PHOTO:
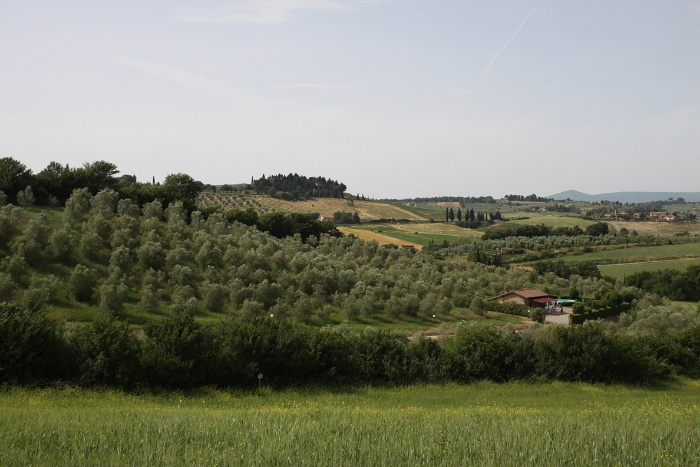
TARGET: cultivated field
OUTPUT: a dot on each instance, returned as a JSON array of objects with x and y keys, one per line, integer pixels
[
  {"x": 417, "y": 234},
  {"x": 640, "y": 254},
  {"x": 481, "y": 424},
  {"x": 367, "y": 210}
]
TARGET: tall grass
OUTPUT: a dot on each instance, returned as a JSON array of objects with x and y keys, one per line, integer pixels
[{"x": 482, "y": 424}]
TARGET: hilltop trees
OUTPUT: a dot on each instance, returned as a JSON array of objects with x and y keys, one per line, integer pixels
[
  {"x": 57, "y": 183},
  {"x": 14, "y": 177},
  {"x": 183, "y": 188},
  {"x": 294, "y": 187}
]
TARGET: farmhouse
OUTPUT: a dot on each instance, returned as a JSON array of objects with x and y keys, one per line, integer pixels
[
  {"x": 527, "y": 297},
  {"x": 326, "y": 218}
]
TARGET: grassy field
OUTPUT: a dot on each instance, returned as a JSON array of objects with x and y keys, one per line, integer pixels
[
  {"x": 481, "y": 424},
  {"x": 137, "y": 318},
  {"x": 620, "y": 271},
  {"x": 640, "y": 253},
  {"x": 438, "y": 324}
]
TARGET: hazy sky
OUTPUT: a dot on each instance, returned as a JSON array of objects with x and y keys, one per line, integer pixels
[{"x": 395, "y": 98}]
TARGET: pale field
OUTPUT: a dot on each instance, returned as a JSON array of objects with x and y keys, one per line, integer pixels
[
  {"x": 664, "y": 229},
  {"x": 367, "y": 210},
  {"x": 441, "y": 228}
]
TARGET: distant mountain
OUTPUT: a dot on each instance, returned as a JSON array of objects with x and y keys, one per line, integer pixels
[{"x": 628, "y": 196}]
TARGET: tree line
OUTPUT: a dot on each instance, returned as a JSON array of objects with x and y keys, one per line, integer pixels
[
  {"x": 533, "y": 198},
  {"x": 180, "y": 353},
  {"x": 676, "y": 285},
  {"x": 281, "y": 224},
  {"x": 541, "y": 230},
  {"x": 54, "y": 184},
  {"x": 471, "y": 217}
]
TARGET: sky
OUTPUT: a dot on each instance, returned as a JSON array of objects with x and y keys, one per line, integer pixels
[{"x": 394, "y": 98}]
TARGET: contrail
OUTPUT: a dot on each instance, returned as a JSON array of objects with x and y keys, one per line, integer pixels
[{"x": 498, "y": 53}]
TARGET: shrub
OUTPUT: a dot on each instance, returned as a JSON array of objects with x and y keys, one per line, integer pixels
[
  {"x": 40, "y": 292},
  {"x": 214, "y": 296},
  {"x": 31, "y": 349},
  {"x": 149, "y": 299},
  {"x": 92, "y": 246},
  {"x": 77, "y": 206},
  {"x": 7, "y": 287},
  {"x": 114, "y": 292},
  {"x": 62, "y": 244},
  {"x": 177, "y": 352},
  {"x": 108, "y": 354},
  {"x": 25, "y": 198}
]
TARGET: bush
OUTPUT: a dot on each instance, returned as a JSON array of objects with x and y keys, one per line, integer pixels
[
  {"x": 477, "y": 353},
  {"x": 31, "y": 349},
  {"x": 40, "y": 292},
  {"x": 177, "y": 353},
  {"x": 7, "y": 287},
  {"x": 108, "y": 354}
]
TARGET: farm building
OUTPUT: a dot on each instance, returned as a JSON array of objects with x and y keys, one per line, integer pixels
[
  {"x": 326, "y": 218},
  {"x": 527, "y": 297}
]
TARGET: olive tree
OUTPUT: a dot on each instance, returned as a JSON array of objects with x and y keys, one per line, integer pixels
[{"x": 82, "y": 283}]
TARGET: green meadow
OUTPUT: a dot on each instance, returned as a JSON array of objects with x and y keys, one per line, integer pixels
[
  {"x": 480, "y": 424},
  {"x": 640, "y": 253},
  {"x": 619, "y": 271}
]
